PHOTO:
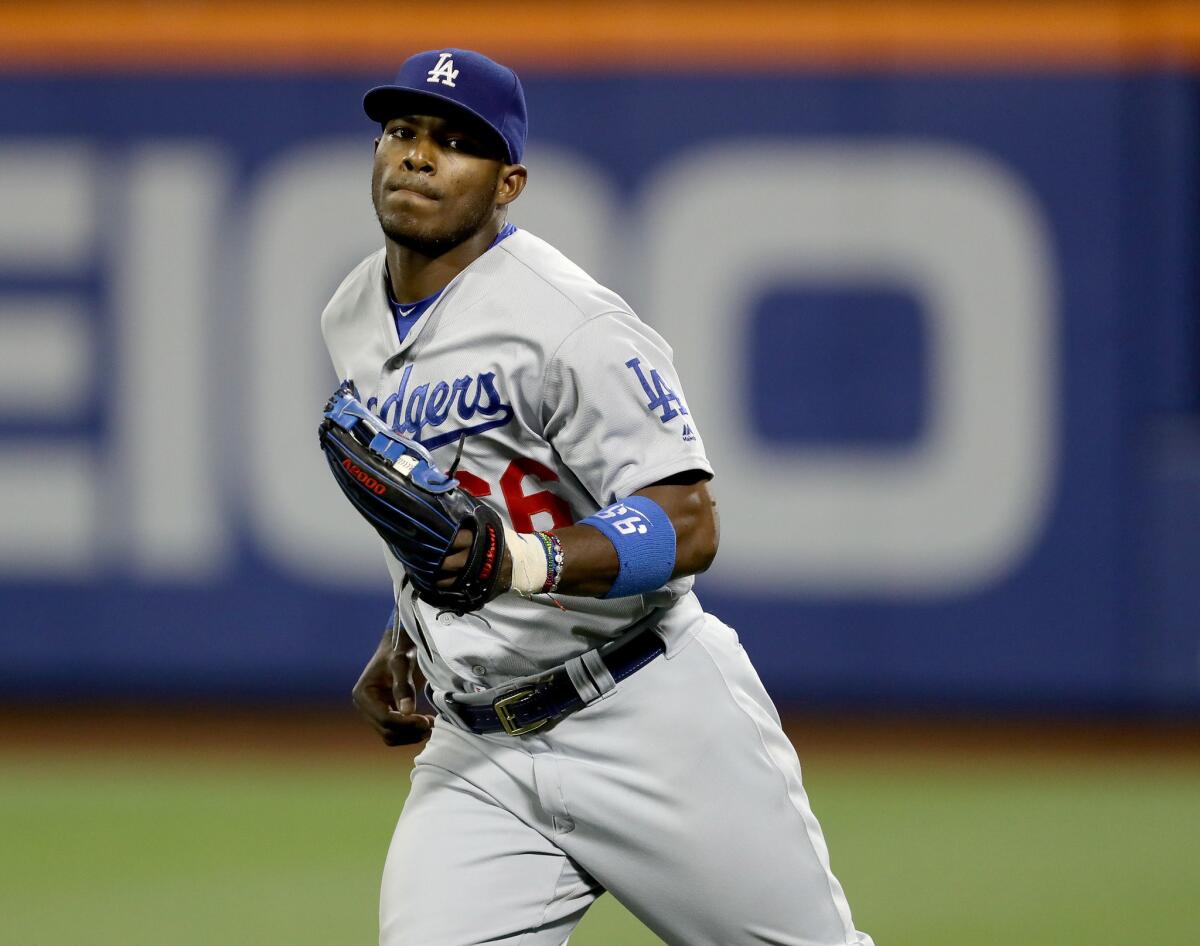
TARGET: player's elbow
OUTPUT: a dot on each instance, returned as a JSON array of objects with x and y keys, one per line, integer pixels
[
  {"x": 696, "y": 544},
  {"x": 701, "y": 555},
  {"x": 689, "y": 504}
]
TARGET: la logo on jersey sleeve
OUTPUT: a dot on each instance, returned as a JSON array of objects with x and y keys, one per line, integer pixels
[{"x": 658, "y": 391}]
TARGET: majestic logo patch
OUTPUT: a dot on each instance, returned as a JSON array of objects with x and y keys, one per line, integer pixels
[
  {"x": 469, "y": 398},
  {"x": 444, "y": 72}
]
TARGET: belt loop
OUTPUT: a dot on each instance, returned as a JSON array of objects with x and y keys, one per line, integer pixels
[
  {"x": 599, "y": 671},
  {"x": 438, "y": 699},
  {"x": 587, "y": 690}
]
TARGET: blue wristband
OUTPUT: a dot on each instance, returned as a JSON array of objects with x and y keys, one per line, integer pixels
[{"x": 641, "y": 532}]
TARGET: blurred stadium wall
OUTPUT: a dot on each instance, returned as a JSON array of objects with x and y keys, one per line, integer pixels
[{"x": 930, "y": 271}]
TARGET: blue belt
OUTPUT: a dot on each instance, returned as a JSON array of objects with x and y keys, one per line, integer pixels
[{"x": 538, "y": 702}]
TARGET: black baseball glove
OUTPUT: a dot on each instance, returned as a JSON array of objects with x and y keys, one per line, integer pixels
[{"x": 417, "y": 509}]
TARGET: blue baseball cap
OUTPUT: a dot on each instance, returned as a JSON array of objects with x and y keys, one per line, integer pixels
[{"x": 462, "y": 78}]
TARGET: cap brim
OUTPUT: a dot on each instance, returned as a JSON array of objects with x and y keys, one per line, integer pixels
[{"x": 385, "y": 102}]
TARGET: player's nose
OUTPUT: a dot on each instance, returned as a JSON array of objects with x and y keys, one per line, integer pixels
[
  {"x": 417, "y": 158},
  {"x": 418, "y": 164}
]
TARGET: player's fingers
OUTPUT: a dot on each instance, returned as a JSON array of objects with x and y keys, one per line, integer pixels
[
  {"x": 372, "y": 692},
  {"x": 402, "y": 729},
  {"x": 461, "y": 546},
  {"x": 396, "y": 728},
  {"x": 382, "y": 727},
  {"x": 462, "y": 541},
  {"x": 400, "y": 666},
  {"x": 452, "y": 565},
  {"x": 374, "y": 704},
  {"x": 456, "y": 559}
]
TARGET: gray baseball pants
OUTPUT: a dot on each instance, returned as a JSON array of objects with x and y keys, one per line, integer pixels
[{"x": 678, "y": 792}]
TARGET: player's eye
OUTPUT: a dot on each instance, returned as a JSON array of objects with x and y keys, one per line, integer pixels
[{"x": 463, "y": 144}]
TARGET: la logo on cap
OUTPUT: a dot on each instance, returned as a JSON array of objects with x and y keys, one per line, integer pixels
[{"x": 444, "y": 72}]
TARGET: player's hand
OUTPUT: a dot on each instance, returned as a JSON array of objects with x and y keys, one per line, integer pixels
[
  {"x": 384, "y": 694},
  {"x": 455, "y": 561}
]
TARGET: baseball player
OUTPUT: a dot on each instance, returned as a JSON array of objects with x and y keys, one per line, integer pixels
[{"x": 595, "y": 729}]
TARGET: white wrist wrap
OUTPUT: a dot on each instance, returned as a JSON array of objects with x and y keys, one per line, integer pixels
[{"x": 529, "y": 569}]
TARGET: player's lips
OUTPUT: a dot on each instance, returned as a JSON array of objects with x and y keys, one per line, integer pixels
[{"x": 410, "y": 188}]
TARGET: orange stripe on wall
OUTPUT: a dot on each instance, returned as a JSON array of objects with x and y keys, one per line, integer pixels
[{"x": 540, "y": 36}]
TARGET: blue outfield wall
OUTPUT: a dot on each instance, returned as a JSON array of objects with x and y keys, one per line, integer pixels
[{"x": 938, "y": 331}]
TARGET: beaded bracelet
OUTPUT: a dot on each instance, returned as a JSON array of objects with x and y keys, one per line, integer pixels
[{"x": 552, "y": 546}]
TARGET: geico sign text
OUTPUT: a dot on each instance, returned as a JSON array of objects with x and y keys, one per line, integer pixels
[{"x": 204, "y": 353}]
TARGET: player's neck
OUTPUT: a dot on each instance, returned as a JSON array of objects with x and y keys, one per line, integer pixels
[{"x": 415, "y": 276}]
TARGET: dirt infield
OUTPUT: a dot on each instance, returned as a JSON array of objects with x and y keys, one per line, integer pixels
[{"x": 306, "y": 733}]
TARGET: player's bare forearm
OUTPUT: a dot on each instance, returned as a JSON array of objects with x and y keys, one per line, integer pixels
[
  {"x": 590, "y": 560},
  {"x": 591, "y": 564}
]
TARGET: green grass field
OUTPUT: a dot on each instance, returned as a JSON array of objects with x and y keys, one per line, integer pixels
[{"x": 146, "y": 850}]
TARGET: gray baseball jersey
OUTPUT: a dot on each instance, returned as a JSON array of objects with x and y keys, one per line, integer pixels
[
  {"x": 567, "y": 402},
  {"x": 678, "y": 789}
]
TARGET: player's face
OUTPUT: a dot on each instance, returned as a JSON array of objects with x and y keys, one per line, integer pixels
[{"x": 437, "y": 180}]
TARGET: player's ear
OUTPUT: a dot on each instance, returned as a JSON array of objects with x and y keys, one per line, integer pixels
[
  {"x": 511, "y": 182},
  {"x": 377, "y": 140}
]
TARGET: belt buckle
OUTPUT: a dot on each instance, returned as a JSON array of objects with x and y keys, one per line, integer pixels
[{"x": 510, "y": 726}]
